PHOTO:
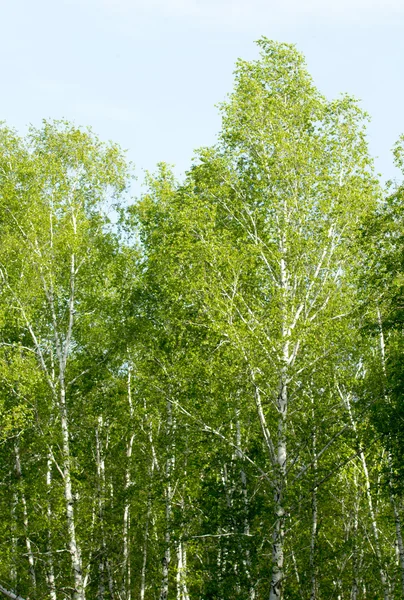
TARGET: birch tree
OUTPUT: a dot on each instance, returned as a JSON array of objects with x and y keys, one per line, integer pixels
[
  {"x": 52, "y": 237},
  {"x": 203, "y": 399},
  {"x": 380, "y": 293},
  {"x": 258, "y": 236}
]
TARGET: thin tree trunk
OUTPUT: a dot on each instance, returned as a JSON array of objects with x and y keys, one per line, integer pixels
[
  {"x": 145, "y": 540},
  {"x": 179, "y": 572},
  {"x": 383, "y": 576},
  {"x": 10, "y": 594},
  {"x": 50, "y": 566},
  {"x": 184, "y": 571},
  {"x": 101, "y": 493},
  {"x": 313, "y": 564},
  {"x": 126, "y": 579},
  {"x": 154, "y": 464},
  {"x": 181, "y": 578},
  {"x": 101, "y": 584},
  {"x": 126, "y": 583},
  {"x": 79, "y": 593},
  {"x": 281, "y": 450},
  {"x": 182, "y": 589},
  {"x": 314, "y": 509},
  {"x": 30, "y": 555},
  {"x": 63, "y": 350},
  {"x": 167, "y": 550},
  {"x": 13, "y": 567},
  {"x": 167, "y": 536},
  {"x": 355, "y": 565},
  {"x": 296, "y": 571},
  {"x": 280, "y": 483},
  {"x": 244, "y": 491}
]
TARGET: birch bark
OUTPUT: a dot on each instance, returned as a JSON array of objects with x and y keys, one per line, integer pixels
[
  {"x": 30, "y": 554},
  {"x": 168, "y": 500},
  {"x": 13, "y": 566},
  {"x": 182, "y": 588},
  {"x": 281, "y": 450},
  {"x": 375, "y": 529},
  {"x": 104, "y": 565},
  {"x": 75, "y": 553},
  {"x": 11, "y": 594},
  {"x": 50, "y": 566},
  {"x": 61, "y": 177},
  {"x": 314, "y": 509},
  {"x": 63, "y": 351},
  {"x": 145, "y": 542},
  {"x": 154, "y": 465},
  {"x": 244, "y": 491},
  {"x": 126, "y": 578},
  {"x": 355, "y": 558}
]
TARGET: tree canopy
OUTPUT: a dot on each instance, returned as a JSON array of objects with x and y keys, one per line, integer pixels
[{"x": 201, "y": 388}]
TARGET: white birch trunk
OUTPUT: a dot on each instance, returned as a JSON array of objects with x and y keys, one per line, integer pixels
[
  {"x": 383, "y": 575},
  {"x": 167, "y": 550},
  {"x": 181, "y": 576},
  {"x": 182, "y": 589},
  {"x": 355, "y": 565},
  {"x": 154, "y": 464},
  {"x": 101, "y": 584},
  {"x": 30, "y": 555},
  {"x": 126, "y": 578},
  {"x": 280, "y": 458},
  {"x": 13, "y": 567},
  {"x": 126, "y": 593},
  {"x": 296, "y": 571},
  {"x": 219, "y": 563},
  {"x": 63, "y": 353},
  {"x": 101, "y": 495},
  {"x": 10, "y": 594},
  {"x": 314, "y": 509},
  {"x": 280, "y": 465},
  {"x": 167, "y": 537},
  {"x": 145, "y": 541},
  {"x": 244, "y": 491},
  {"x": 74, "y": 548},
  {"x": 184, "y": 570},
  {"x": 50, "y": 565}
]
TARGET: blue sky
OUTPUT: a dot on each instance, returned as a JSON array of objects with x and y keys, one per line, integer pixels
[{"x": 147, "y": 74}]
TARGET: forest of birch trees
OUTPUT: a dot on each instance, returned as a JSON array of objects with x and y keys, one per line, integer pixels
[{"x": 201, "y": 388}]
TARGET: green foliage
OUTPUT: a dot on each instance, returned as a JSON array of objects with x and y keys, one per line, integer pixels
[{"x": 204, "y": 400}]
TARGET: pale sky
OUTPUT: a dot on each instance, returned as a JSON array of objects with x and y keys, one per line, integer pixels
[{"x": 147, "y": 74}]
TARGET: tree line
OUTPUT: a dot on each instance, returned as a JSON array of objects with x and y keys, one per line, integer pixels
[{"x": 201, "y": 388}]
